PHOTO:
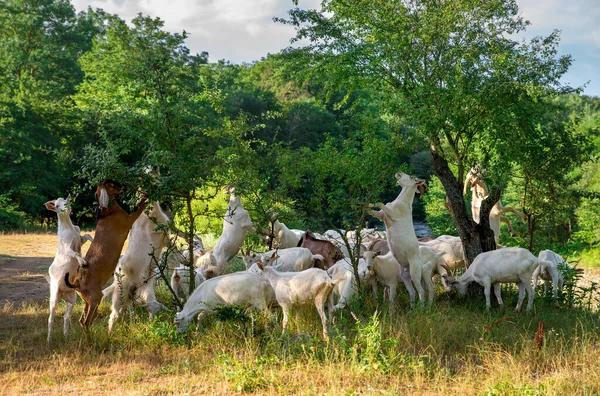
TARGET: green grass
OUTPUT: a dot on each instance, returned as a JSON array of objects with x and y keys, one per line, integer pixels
[{"x": 455, "y": 346}]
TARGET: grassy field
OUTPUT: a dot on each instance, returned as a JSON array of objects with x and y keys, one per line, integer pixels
[{"x": 453, "y": 347}]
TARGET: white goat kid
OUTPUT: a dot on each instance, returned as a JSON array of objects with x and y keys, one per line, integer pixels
[
  {"x": 135, "y": 272},
  {"x": 310, "y": 286},
  {"x": 479, "y": 192},
  {"x": 67, "y": 259},
  {"x": 505, "y": 265},
  {"x": 345, "y": 289},
  {"x": 238, "y": 288},
  {"x": 397, "y": 216}
]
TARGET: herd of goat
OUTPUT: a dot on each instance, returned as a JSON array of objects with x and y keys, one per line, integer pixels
[{"x": 305, "y": 268}]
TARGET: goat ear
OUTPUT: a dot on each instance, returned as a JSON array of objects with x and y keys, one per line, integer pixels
[
  {"x": 260, "y": 265},
  {"x": 422, "y": 187},
  {"x": 51, "y": 205}
]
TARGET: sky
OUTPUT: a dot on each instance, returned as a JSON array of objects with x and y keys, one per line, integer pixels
[{"x": 243, "y": 30}]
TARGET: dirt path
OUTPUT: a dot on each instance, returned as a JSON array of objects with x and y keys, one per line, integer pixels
[
  {"x": 24, "y": 263},
  {"x": 22, "y": 278}
]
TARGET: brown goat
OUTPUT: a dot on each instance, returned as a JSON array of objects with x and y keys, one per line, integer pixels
[
  {"x": 328, "y": 250},
  {"x": 112, "y": 227}
]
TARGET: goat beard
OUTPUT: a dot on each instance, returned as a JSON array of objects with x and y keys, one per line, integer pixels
[{"x": 104, "y": 199}]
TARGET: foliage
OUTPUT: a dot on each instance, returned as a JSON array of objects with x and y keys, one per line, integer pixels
[
  {"x": 10, "y": 217},
  {"x": 40, "y": 42},
  {"x": 451, "y": 70},
  {"x": 438, "y": 217}
]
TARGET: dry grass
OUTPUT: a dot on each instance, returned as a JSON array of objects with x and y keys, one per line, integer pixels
[
  {"x": 32, "y": 245},
  {"x": 454, "y": 347}
]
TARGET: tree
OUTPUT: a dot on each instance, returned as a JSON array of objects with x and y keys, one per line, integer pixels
[
  {"x": 40, "y": 42},
  {"x": 333, "y": 184},
  {"x": 451, "y": 69},
  {"x": 145, "y": 103}
]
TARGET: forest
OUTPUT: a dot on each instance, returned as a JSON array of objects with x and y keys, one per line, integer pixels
[
  {"x": 311, "y": 134},
  {"x": 313, "y": 137}
]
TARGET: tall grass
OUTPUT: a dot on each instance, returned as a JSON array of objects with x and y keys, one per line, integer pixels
[{"x": 455, "y": 346}]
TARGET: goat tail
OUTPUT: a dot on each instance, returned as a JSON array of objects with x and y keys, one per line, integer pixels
[{"x": 74, "y": 285}]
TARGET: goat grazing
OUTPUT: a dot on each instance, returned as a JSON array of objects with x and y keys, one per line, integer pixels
[
  {"x": 67, "y": 259},
  {"x": 551, "y": 273},
  {"x": 135, "y": 271},
  {"x": 479, "y": 192},
  {"x": 345, "y": 289},
  {"x": 505, "y": 265},
  {"x": 238, "y": 288},
  {"x": 331, "y": 253},
  {"x": 397, "y": 216},
  {"x": 112, "y": 228}
]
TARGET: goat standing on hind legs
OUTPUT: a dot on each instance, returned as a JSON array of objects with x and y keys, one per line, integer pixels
[
  {"x": 68, "y": 257},
  {"x": 112, "y": 228}
]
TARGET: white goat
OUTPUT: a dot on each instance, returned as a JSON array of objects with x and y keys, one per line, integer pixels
[
  {"x": 397, "y": 216},
  {"x": 551, "y": 273},
  {"x": 236, "y": 223},
  {"x": 67, "y": 259},
  {"x": 479, "y": 192},
  {"x": 294, "y": 259},
  {"x": 505, "y": 265},
  {"x": 366, "y": 235},
  {"x": 312, "y": 285},
  {"x": 180, "y": 281},
  {"x": 345, "y": 289},
  {"x": 238, "y": 288},
  {"x": 389, "y": 272},
  {"x": 453, "y": 255},
  {"x": 284, "y": 237},
  {"x": 135, "y": 272}
]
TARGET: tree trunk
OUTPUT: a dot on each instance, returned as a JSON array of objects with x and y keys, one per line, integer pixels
[
  {"x": 466, "y": 227},
  {"x": 191, "y": 232},
  {"x": 486, "y": 235}
]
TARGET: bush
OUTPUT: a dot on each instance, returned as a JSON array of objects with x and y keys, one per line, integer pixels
[{"x": 10, "y": 218}]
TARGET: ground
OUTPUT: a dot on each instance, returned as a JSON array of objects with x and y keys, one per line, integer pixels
[{"x": 24, "y": 263}]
